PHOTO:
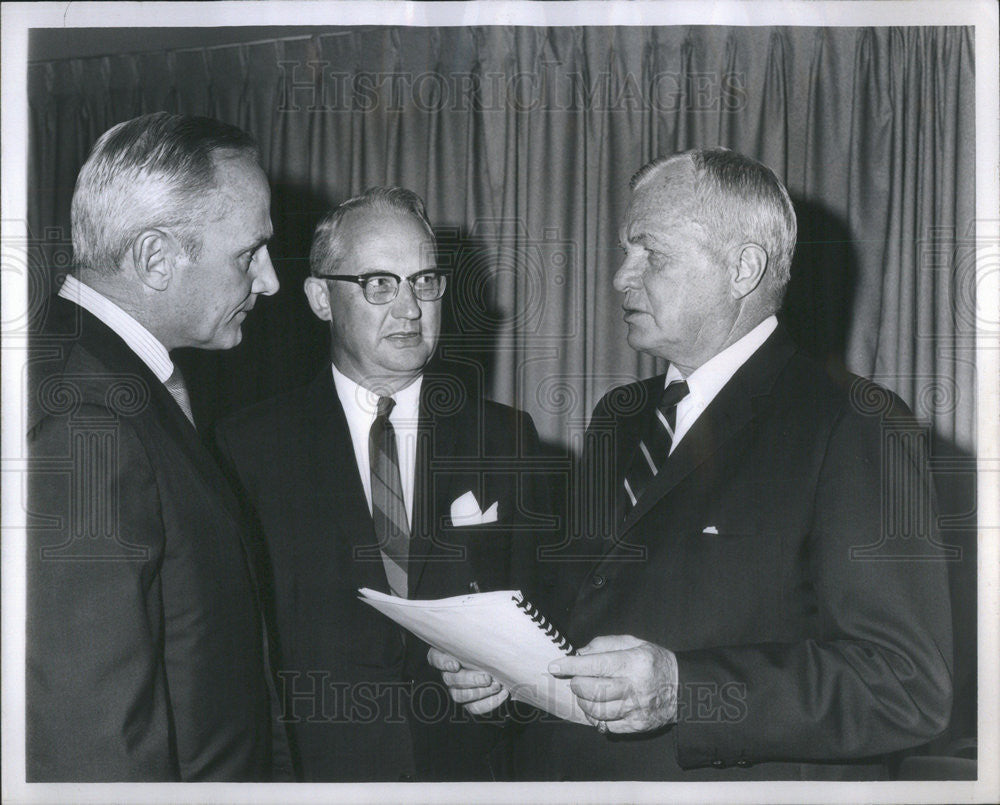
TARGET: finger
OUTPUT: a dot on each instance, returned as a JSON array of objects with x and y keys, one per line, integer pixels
[
  {"x": 610, "y": 663},
  {"x": 487, "y": 705},
  {"x": 599, "y": 688},
  {"x": 442, "y": 661},
  {"x": 467, "y": 679},
  {"x": 605, "y": 711},
  {"x": 628, "y": 725},
  {"x": 469, "y": 695},
  {"x": 616, "y": 642}
]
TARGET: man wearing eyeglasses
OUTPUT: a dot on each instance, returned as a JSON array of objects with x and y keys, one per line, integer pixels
[{"x": 391, "y": 472}]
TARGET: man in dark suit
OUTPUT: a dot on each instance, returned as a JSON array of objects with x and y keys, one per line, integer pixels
[
  {"x": 389, "y": 472},
  {"x": 145, "y": 655},
  {"x": 768, "y": 602}
]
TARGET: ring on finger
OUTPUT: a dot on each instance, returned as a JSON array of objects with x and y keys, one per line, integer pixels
[{"x": 602, "y": 727}]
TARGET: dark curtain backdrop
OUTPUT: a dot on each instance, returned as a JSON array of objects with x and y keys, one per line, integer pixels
[{"x": 522, "y": 142}]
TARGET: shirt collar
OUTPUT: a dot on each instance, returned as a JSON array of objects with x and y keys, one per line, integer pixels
[
  {"x": 363, "y": 402},
  {"x": 705, "y": 382},
  {"x": 142, "y": 342}
]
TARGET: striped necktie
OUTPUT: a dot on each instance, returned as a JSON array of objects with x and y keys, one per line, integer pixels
[
  {"x": 178, "y": 390},
  {"x": 392, "y": 527},
  {"x": 654, "y": 446}
]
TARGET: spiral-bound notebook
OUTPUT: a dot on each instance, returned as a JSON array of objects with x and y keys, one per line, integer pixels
[{"x": 497, "y": 632}]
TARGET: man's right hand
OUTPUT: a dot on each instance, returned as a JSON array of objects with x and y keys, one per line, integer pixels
[{"x": 479, "y": 692}]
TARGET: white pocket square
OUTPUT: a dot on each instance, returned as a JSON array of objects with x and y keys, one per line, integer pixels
[
  {"x": 465, "y": 511},
  {"x": 710, "y": 530}
]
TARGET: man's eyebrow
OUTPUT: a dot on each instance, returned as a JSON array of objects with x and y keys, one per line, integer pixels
[
  {"x": 263, "y": 240},
  {"x": 643, "y": 239}
]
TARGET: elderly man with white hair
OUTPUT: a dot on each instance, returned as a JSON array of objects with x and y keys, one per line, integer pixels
[{"x": 768, "y": 603}]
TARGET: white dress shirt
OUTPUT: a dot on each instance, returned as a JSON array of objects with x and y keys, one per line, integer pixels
[
  {"x": 705, "y": 382},
  {"x": 138, "y": 339},
  {"x": 360, "y": 406}
]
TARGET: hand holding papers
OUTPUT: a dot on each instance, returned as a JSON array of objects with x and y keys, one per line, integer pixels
[
  {"x": 477, "y": 691},
  {"x": 496, "y": 632}
]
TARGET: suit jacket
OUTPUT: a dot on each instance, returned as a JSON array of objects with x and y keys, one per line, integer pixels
[
  {"x": 144, "y": 649},
  {"x": 362, "y": 702},
  {"x": 786, "y": 552}
]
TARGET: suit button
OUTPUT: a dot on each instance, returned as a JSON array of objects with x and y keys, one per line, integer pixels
[
  {"x": 598, "y": 580},
  {"x": 744, "y": 764},
  {"x": 405, "y": 778},
  {"x": 719, "y": 764}
]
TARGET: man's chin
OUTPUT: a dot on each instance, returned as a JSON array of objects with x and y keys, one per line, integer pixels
[
  {"x": 635, "y": 339},
  {"x": 407, "y": 359},
  {"x": 224, "y": 341},
  {"x": 406, "y": 367}
]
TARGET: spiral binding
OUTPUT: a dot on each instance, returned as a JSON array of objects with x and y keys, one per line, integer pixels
[{"x": 550, "y": 631}]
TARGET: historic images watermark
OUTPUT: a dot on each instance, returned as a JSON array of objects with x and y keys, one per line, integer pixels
[
  {"x": 315, "y": 697},
  {"x": 315, "y": 86}
]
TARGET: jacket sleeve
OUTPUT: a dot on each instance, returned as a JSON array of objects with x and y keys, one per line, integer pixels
[
  {"x": 97, "y": 700},
  {"x": 877, "y": 677}
]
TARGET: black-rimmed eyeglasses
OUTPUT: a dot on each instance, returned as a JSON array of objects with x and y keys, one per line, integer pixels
[{"x": 381, "y": 287}]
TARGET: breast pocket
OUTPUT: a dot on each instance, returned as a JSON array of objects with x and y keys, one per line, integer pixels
[{"x": 737, "y": 574}]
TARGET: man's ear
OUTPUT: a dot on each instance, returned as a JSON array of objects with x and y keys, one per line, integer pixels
[
  {"x": 318, "y": 295},
  {"x": 154, "y": 257},
  {"x": 748, "y": 269}
]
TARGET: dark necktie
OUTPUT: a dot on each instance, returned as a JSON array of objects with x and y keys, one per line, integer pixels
[
  {"x": 392, "y": 527},
  {"x": 178, "y": 390},
  {"x": 654, "y": 446}
]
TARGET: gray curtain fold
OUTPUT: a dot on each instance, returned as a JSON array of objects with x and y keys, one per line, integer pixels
[{"x": 522, "y": 142}]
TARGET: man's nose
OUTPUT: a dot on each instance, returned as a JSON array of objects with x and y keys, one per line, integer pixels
[
  {"x": 265, "y": 281},
  {"x": 405, "y": 306},
  {"x": 628, "y": 276}
]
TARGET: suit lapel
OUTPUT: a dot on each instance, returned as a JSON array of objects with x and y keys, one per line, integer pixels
[
  {"x": 718, "y": 423},
  {"x": 178, "y": 426},
  {"x": 341, "y": 505},
  {"x": 731, "y": 410},
  {"x": 436, "y": 440},
  {"x": 105, "y": 344}
]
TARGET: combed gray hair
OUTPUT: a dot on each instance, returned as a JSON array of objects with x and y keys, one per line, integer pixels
[
  {"x": 327, "y": 244},
  {"x": 738, "y": 200},
  {"x": 151, "y": 171}
]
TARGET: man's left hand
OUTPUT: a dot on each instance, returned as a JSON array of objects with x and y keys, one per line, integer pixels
[{"x": 626, "y": 683}]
